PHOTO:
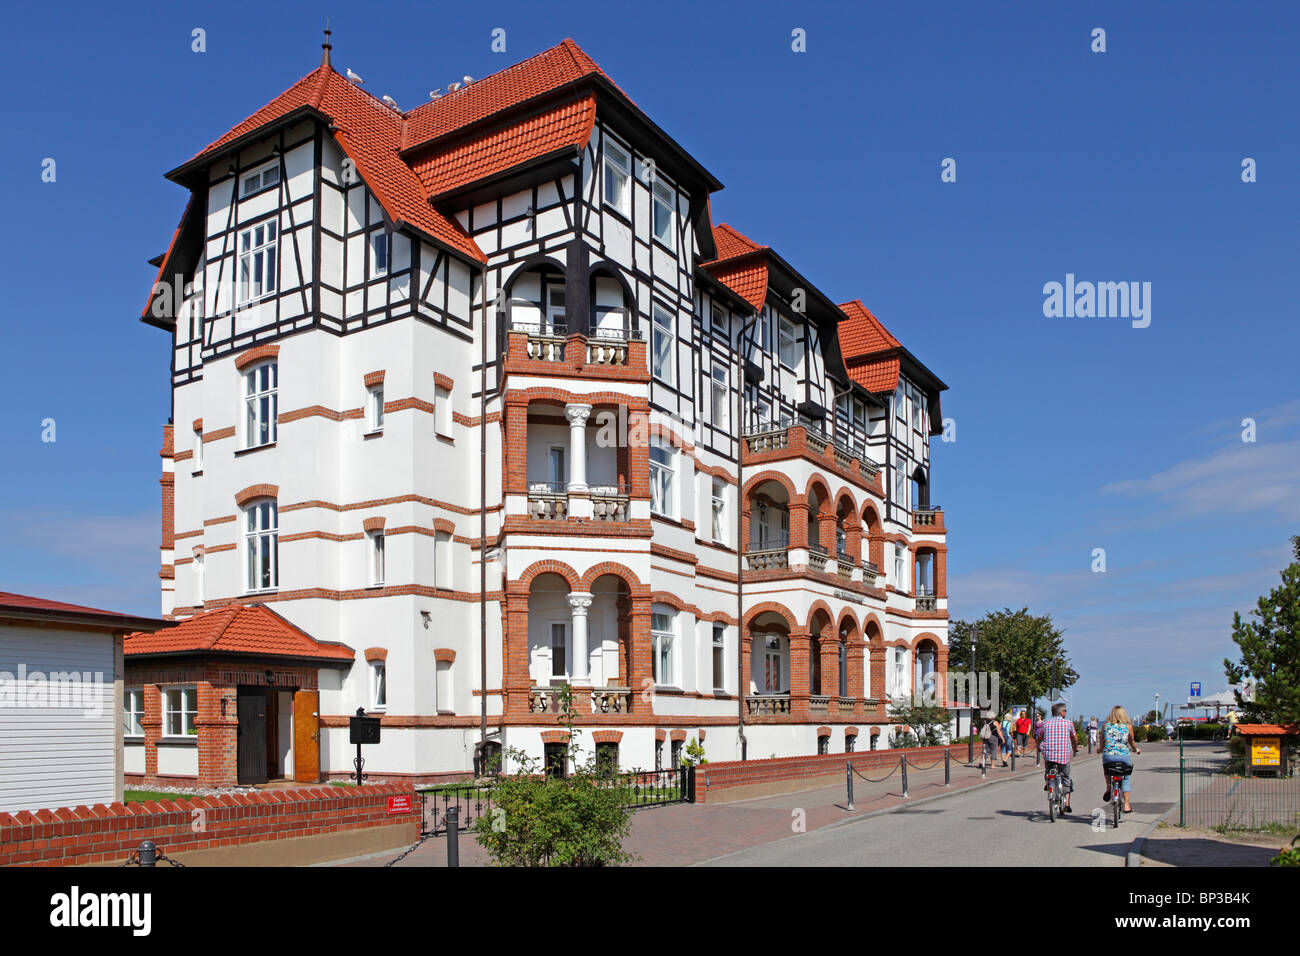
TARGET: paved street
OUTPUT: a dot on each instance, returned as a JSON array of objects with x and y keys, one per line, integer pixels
[{"x": 1001, "y": 825}]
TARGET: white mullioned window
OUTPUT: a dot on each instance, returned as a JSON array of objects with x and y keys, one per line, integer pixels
[
  {"x": 662, "y": 349},
  {"x": 559, "y": 649},
  {"x": 258, "y": 265},
  {"x": 719, "y": 657},
  {"x": 379, "y": 244},
  {"x": 721, "y": 404},
  {"x": 378, "y": 685},
  {"x": 180, "y": 707},
  {"x": 618, "y": 177},
  {"x": 663, "y": 638},
  {"x": 264, "y": 177},
  {"x": 787, "y": 347},
  {"x": 664, "y": 223},
  {"x": 375, "y": 399},
  {"x": 376, "y": 557},
  {"x": 719, "y": 509},
  {"x": 662, "y": 470},
  {"x": 900, "y": 567},
  {"x": 133, "y": 712},
  {"x": 261, "y": 404},
  {"x": 262, "y": 545}
]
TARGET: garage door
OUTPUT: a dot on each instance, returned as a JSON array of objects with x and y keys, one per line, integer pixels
[{"x": 57, "y": 741}]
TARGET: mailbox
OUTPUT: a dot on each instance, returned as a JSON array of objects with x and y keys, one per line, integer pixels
[{"x": 363, "y": 730}]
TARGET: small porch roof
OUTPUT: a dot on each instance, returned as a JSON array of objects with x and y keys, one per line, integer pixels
[{"x": 244, "y": 630}]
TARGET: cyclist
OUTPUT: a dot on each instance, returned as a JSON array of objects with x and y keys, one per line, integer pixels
[
  {"x": 1058, "y": 742},
  {"x": 1118, "y": 746}
]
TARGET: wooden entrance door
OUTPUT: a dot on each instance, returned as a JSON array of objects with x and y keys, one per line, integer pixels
[
  {"x": 250, "y": 708},
  {"x": 306, "y": 736}
]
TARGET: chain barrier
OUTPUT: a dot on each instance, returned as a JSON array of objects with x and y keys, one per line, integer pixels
[
  {"x": 869, "y": 780},
  {"x": 148, "y": 855},
  {"x": 411, "y": 849}
]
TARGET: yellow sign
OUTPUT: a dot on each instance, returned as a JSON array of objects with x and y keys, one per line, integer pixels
[{"x": 1265, "y": 751}]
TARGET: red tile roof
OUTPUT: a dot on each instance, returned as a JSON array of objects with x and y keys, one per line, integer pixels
[
  {"x": 239, "y": 629},
  {"x": 9, "y": 599},
  {"x": 861, "y": 333},
  {"x": 741, "y": 264},
  {"x": 445, "y": 169},
  {"x": 547, "y": 71},
  {"x": 877, "y": 376},
  {"x": 1267, "y": 730}
]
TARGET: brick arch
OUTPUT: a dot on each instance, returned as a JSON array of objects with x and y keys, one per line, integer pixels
[
  {"x": 853, "y": 618},
  {"x": 256, "y": 491},
  {"x": 559, "y": 396},
  {"x": 850, "y": 731},
  {"x": 258, "y": 354},
  {"x": 374, "y": 524},
  {"x": 820, "y": 605},
  {"x": 816, "y": 480},
  {"x": 766, "y": 606},
  {"x": 672, "y": 600},
  {"x": 525, "y": 580},
  {"x": 606, "y": 736},
  {"x": 765, "y": 476},
  {"x": 617, "y": 570},
  {"x": 874, "y": 533},
  {"x": 871, "y": 618},
  {"x": 927, "y": 636},
  {"x": 445, "y": 525},
  {"x": 658, "y": 430},
  {"x": 845, "y": 492},
  {"x": 823, "y": 731}
]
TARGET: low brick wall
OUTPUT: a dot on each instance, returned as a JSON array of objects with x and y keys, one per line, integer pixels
[
  {"x": 741, "y": 779},
  {"x": 214, "y": 830}
]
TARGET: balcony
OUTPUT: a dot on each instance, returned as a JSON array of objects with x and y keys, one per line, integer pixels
[
  {"x": 850, "y": 461},
  {"x": 768, "y": 705},
  {"x": 610, "y": 346},
  {"x": 609, "y": 503},
  {"x": 548, "y": 500},
  {"x": 926, "y": 599},
  {"x": 929, "y": 519},
  {"x": 544, "y": 347},
  {"x": 870, "y": 572},
  {"x": 611, "y": 700},
  {"x": 768, "y": 559}
]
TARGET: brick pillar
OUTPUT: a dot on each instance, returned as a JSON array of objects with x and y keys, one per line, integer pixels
[
  {"x": 853, "y": 534},
  {"x": 514, "y": 675},
  {"x": 941, "y": 673},
  {"x": 638, "y": 452},
  {"x": 826, "y": 529},
  {"x": 641, "y": 676},
  {"x": 800, "y": 640},
  {"x": 941, "y": 573},
  {"x": 830, "y": 651},
  {"x": 746, "y": 649},
  {"x": 877, "y": 652},
  {"x": 856, "y": 688},
  {"x": 516, "y": 450},
  {"x": 218, "y": 736},
  {"x": 152, "y": 724},
  {"x": 746, "y": 516},
  {"x": 799, "y": 522}
]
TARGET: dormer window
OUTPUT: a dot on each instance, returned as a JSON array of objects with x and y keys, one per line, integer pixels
[{"x": 264, "y": 177}]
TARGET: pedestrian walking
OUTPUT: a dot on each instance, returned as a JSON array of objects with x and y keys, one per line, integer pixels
[
  {"x": 1092, "y": 733},
  {"x": 1008, "y": 731},
  {"x": 991, "y": 736},
  {"x": 1022, "y": 732}
]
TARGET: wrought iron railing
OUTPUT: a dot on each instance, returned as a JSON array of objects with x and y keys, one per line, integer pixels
[{"x": 470, "y": 800}]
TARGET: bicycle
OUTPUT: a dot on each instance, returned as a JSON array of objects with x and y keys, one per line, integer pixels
[
  {"x": 1055, "y": 794},
  {"x": 1115, "y": 774}
]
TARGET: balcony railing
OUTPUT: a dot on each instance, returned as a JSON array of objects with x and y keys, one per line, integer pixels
[
  {"x": 816, "y": 560},
  {"x": 609, "y": 503},
  {"x": 611, "y": 700},
  {"x": 766, "y": 436},
  {"x": 869, "y": 573},
  {"x": 768, "y": 704},
  {"x": 844, "y": 566},
  {"x": 543, "y": 700},
  {"x": 925, "y": 517},
  {"x": 545, "y": 339},
  {"x": 926, "y": 600},
  {"x": 819, "y": 704},
  {"x": 547, "y": 500},
  {"x": 768, "y": 559}
]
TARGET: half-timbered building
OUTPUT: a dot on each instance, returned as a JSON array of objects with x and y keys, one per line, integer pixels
[{"x": 480, "y": 391}]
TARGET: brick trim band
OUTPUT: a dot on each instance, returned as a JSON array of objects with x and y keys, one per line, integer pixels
[
  {"x": 256, "y": 355},
  {"x": 256, "y": 491}
]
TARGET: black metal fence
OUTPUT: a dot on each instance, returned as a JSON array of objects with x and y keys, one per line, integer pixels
[
  {"x": 637, "y": 788},
  {"x": 1218, "y": 790}
]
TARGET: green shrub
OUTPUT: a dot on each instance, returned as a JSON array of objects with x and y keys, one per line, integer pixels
[
  {"x": 1156, "y": 732},
  {"x": 1140, "y": 734},
  {"x": 1289, "y": 856},
  {"x": 1207, "y": 731}
]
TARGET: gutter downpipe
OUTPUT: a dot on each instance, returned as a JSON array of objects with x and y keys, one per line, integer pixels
[{"x": 740, "y": 517}]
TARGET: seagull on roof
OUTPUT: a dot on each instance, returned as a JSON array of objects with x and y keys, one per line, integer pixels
[
  {"x": 391, "y": 102},
  {"x": 435, "y": 94},
  {"x": 355, "y": 78}
]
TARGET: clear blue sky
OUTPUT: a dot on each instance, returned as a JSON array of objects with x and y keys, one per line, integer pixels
[{"x": 1072, "y": 434}]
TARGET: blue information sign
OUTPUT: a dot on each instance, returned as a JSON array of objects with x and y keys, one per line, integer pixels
[{"x": 1196, "y": 689}]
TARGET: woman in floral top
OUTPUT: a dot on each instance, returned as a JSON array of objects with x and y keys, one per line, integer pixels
[{"x": 1118, "y": 746}]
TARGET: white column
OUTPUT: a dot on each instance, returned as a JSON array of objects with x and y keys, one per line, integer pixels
[
  {"x": 580, "y": 603},
  {"x": 577, "y": 416}
]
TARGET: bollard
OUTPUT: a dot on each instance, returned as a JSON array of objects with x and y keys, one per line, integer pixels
[
  {"x": 984, "y": 764},
  {"x": 453, "y": 836},
  {"x": 1038, "y": 756},
  {"x": 970, "y": 747},
  {"x": 947, "y": 768},
  {"x": 904, "y": 762},
  {"x": 848, "y": 773},
  {"x": 1013, "y": 760},
  {"x": 148, "y": 853}
]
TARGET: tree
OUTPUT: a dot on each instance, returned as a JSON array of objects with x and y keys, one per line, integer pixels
[
  {"x": 928, "y": 722},
  {"x": 1270, "y": 650},
  {"x": 1025, "y": 650}
]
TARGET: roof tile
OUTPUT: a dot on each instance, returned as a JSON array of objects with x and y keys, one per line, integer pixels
[{"x": 239, "y": 628}]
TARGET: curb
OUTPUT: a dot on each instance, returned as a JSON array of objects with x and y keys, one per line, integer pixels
[{"x": 1134, "y": 857}]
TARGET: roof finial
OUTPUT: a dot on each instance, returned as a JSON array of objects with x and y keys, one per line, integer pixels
[{"x": 326, "y": 46}]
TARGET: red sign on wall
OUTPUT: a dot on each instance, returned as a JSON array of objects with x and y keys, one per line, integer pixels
[{"x": 399, "y": 805}]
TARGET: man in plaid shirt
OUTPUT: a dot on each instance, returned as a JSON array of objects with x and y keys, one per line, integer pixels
[{"x": 1058, "y": 742}]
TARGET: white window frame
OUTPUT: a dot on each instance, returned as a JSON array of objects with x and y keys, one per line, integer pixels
[
  {"x": 261, "y": 256},
  {"x": 618, "y": 165},
  {"x": 261, "y": 545},
  {"x": 264, "y": 182},
  {"x": 554, "y": 311},
  {"x": 133, "y": 712},
  {"x": 375, "y": 540},
  {"x": 198, "y": 451},
  {"x": 663, "y": 645},
  {"x": 719, "y": 657},
  {"x": 719, "y": 395},
  {"x": 663, "y": 326},
  {"x": 560, "y": 475},
  {"x": 561, "y": 628},
  {"x": 261, "y": 404},
  {"x": 663, "y": 200},
  {"x": 718, "y": 321},
  {"x": 375, "y": 407},
  {"x": 787, "y": 342},
  {"x": 765, "y": 330},
  {"x": 900, "y": 567},
  {"x": 718, "y": 510},
  {"x": 199, "y": 574},
  {"x": 781, "y": 651},
  {"x": 188, "y": 695},
  {"x": 379, "y": 685},
  {"x": 381, "y": 247},
  {"x": 662, "y": 478}
]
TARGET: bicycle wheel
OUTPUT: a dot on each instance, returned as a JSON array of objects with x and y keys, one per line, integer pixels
[
  {"x": 1051, "y": 800},
  {"x": 1115, "y": 800}
]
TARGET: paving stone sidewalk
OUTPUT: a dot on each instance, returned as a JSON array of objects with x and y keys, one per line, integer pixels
[{"x": 682, "y": 834}]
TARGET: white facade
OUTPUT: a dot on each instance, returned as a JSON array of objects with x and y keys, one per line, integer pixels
[{"x": 327, "y": 452}]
